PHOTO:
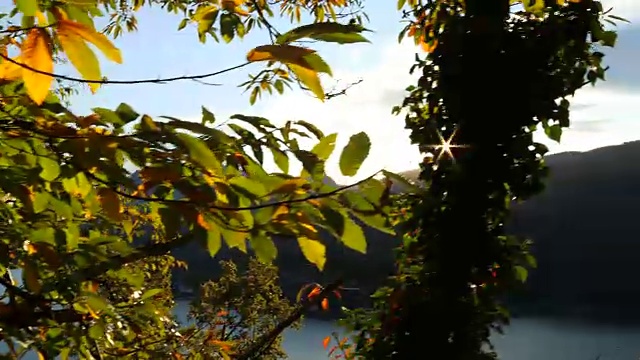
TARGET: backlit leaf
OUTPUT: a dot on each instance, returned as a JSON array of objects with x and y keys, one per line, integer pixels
[
  {"x": 313, "y": 250},
  {"x": 201, "y": 154},
  {"x": 36, "y": 54},
  {"x": 353, "y": 236},
  {"x": 40, "y": 202},
  {"x": 214, "y": 241},
  {"x": 281, "y": 159},
  {"x": 309, "y": 78},
  {"x": 354, "y": 154},
  {"x": 9, "y": 70},
  {"x": 50, "y": 168},
  {"x": 27, "y": 7},
  {"x": 79, "y": 53},
  {"x": 264, "y": 248},
  {"x": 325, "y": 31},
  {"x": 324, "y": 148},
  {"x": 98, "y": 39}
]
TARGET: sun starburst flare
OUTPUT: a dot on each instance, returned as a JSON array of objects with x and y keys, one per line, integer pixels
[{"x": 446, "y": 146}]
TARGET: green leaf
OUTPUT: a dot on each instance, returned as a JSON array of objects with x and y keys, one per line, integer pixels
[
  {"x": 251, "y": 186},
  {"x": 325, "y": 146},
  {"x": 264, "y": 248},
  {"x": 325, "y": 31},
  {"x": 401, "y": 181},
  {"x": 41, "y": 202},
  {"x": 339, "y": 38},
  {"x": 50, "y": 168},
  {"x": 72, "y": 237},
  {"x": 214, "y": 240},
  {"x": 314, "y": 251},
  {"x": 335, "y": 220},
  {"x": 150, "y": 293},
  {"x": 521, "y": 273},
  {"x": 205, "y": 16},
  {"x": 96, "y": 303},
  {"x": 353, "y": 236},
  {"x": 400, "y": 4},
  {"x": 235, "y": 239},
  {"x": 207, "y": 116},
  {"x": 126, "y": 113},
  {"x": 608, "y": 38},
  {"x": 44, "y": 235},
  {"x": 27, "y": 7},
  {"x": 183, "y": 24},
  {"x": 354, "y": 154},
  {"x": 108, "y": 116},
  {"x": 256, "y": 121},
  {"x": 311, "y": 128},
  {"x": 77, "y": 185},
  {"x": 281, "y": 159},
  {"x": 200, "y": 153},
  {"x": 97, "y": 331},
  {"x": 554, "y": 132},
  {"x": 254, "y": 95},
  {"x": 228, "y": 23}
]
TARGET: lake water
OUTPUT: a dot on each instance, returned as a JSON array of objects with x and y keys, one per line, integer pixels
[{"x": 525, "y": 339}]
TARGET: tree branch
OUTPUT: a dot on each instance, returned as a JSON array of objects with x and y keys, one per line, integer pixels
[
  {"x": 230, "y": 208},
  {"x": 254, "y": 351},
  {"x": 125, "y": 82}
]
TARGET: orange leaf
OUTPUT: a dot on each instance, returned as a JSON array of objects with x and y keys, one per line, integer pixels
[
  {"x": 325, "y": 304},
  {"x": 314, "y": 292},
  {"x": 325, "y": 342},
  {"x": 110, "y": 203},
  {"x": 203, "y": 222},
  {"x": 429, "y": 47}
]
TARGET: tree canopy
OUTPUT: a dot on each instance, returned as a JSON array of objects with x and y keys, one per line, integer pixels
[{"x": 78, "y": 189}]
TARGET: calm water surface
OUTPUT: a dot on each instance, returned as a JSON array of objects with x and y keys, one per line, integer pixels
[{"x": 525, "y": 339}]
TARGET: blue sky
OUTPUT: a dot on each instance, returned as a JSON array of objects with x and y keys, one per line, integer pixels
[{"x": 606, "y": 115}]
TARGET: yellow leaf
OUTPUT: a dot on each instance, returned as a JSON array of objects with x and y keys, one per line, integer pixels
[
  {"x": 90, "y": 35},
  {"x": 10, "y": 70},
  {"x": 309, "y": 78},
  {"x": 42, "y": 19},
  {"x": 110, "y": 203},
  {"x": 80, "y": 55},
  {"x": 533, "y": 5},
  {"x": 40, "y": 356},
  {"x": 313, "y": 250},
  {"x": 36, "y": 53}
]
